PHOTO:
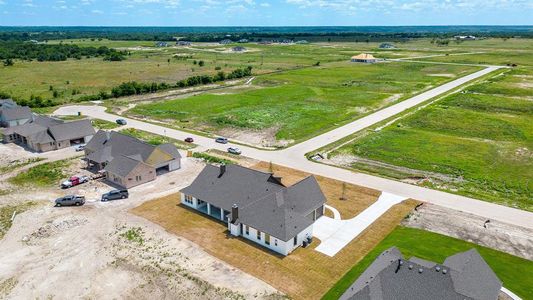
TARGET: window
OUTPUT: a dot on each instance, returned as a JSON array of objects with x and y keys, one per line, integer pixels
[
  {"x": 295, "y": 240},
  {"x": 188, "y": 199},
  {"x": 258, "y": 235},
  {"x": 138, "y": 178},
  {"x": 275, "y": 242},
  {"x": 267, "y": 239},
  {"x": 247, "y": 230}
]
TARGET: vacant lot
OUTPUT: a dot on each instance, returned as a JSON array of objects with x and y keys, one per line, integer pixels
[
  {"x": 512, "y": 270},
  {"x": 477, "y": 143},
  {"x": 304, "y": 274},
  {"x": 292, "y": 106}
]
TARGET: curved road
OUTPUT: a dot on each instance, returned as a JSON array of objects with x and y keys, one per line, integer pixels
[{"x": 293, "y": 157}]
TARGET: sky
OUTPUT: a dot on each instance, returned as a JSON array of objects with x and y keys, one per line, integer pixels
[{"x": 264, "y": 12}]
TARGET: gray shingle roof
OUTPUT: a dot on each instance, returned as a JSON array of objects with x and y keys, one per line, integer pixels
[
  {"x": 72, "y": 130},
  {"x": 264, "y": 203},
  {"x": 170, "y": 149},
  {"x": 16, "y": 113},
  {"x": 387, "y": 279},
  {"x": 122, "y": 165}
]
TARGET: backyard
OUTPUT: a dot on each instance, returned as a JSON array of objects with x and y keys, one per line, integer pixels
[
  {"x": 477, "y": 143},
  {"x": 516, "y": 273},
  {"x": 292, "y": 106}
]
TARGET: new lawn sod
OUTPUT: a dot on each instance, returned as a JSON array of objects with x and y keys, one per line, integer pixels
[
  {"x": 515, "y": 272},
  {"x": 483, "y": 139},
  {"x": 302, "y": 103}
]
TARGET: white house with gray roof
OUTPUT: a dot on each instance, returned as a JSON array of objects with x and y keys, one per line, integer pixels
[
  {"x": 463, "y": 276},
  {"x": 13, "y": 115},
  {"x": 257, "y": 206}
]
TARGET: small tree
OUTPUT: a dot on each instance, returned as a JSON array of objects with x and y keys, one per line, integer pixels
[
  {"x": 343, "y": 193},
  {"x": 9, "y": 62},
  {"x": 201, "y": 63},
  {"x": 270, "y": 167}
]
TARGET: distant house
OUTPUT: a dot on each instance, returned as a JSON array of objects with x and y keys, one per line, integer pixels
[
  {"x": 183, "y": 43},
  {"x": 257, "y": 206},
  {"x": 226, "y": 42},
  {"x": 128, "y": 161},
  {"x": 462, "y": 276},
  {"x": 44, "y": 134},
  {"x": 302, "y": 42},
  {"x": 13, "y": 115},
  {"x": 286, "y": 42},
  {"x": 242, "y": 41},
  {"x": 387, "y": 46},
  {"x": 161, "y": 44},
  {"x": 465, "y": 37},
  {"x": 364, "y": 58},
  {"x": 238, "y": 49}
]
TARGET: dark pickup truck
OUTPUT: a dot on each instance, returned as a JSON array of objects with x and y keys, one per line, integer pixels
[
  {"x": 70, "y": 200},
  {"x": 115, "y": 194}
]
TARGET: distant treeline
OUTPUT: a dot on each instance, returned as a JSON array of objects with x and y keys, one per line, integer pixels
[
  {"x": 59, "y": 52},
  {"x": 210, "y": 34},
  {"x": 137, "y": 88}
]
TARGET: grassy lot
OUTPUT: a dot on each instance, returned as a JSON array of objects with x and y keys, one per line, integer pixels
[
  {"x": 305, "y": 273},
  {"x": 515, "y": 272},
  {"x": 481, "y": 140},
  {"x": 6, "y": 212},
  {"x": 104, "y": 125},
  {"x": 42, "y": 175},
  {"x": 155, "y": 139},
  {"x": 19, "y": 164},
  {"x": 299, "y": 104}
]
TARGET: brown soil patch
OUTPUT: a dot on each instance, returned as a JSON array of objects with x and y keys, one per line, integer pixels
[
  {"x": 304, "y": 274},
  {"x": 357, "y": 198}
]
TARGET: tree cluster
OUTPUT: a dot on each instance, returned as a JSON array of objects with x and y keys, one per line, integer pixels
[{"x": 59, "y": 52}]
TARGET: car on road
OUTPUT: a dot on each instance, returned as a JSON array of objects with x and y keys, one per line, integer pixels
[
  {"x": 115, "y": 194},
  {"x": 234, "y": 150},
  {"x": 121, "y": 122},
  {"x": 70, "y": 200},
  {"x": 79, "y": 148},
  {"x": 74, "y": 180},
  {"x": 221, "y": 140},
  {"x": 189, "y": 140}
]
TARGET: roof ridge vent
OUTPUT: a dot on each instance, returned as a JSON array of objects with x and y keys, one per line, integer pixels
[{"x": 420, "y": 270}]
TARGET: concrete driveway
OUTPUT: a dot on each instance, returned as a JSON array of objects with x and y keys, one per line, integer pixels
[{"x": 335, "y": 234}]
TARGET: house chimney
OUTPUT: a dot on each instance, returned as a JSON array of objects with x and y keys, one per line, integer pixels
[
  {"x": 222, "y": 170},
  {"x": 234, "y": 213}
]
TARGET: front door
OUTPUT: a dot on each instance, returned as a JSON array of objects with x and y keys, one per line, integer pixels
[{"x": 295, "y": 240}]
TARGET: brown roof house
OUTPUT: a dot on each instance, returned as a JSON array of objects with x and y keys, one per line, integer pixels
[
  {"x": 128, "y": 161},
  {"x": 364, "y": 58},
  {"x": 13, "y": 115},
  {"x": 44, "y": 134}
]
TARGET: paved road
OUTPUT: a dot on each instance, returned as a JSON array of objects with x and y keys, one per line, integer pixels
[{"x": 293, "y": 157}]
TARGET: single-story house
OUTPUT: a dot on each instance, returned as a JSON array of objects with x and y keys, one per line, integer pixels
[
  {"x": 462, "y": 276},
  {"x": 183, "y": 43},
  {"x": 44, "y": 134},
  {"x": 364, "y": 58},
  {"x": 161, "y": 44},
  {"x": 128, "y": 161},
  {"x": 257, "y": 206},
  {"x": 238, "y": 49},
  {"x": 387, "y": 46},
  {"x": 225, "y": 42},
  {"x": 242, "y": 41},
  {"x": 13, "y": 115}
]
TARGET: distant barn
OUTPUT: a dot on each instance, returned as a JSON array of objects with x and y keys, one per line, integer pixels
[{"x": 364, "y": 58}]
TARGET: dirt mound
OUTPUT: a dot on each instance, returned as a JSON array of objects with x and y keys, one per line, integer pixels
[{"x": 57, "y": 226}]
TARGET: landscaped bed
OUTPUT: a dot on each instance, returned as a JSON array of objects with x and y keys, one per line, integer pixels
[
  {"x": 292, "y": 106},
  {"x": 515, "y": 272},
  {"x": 305, "y": 273}
]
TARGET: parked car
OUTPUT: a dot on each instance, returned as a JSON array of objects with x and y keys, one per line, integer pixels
[
  {"x": 221, "y": 140},
  {"x": 70, "y": 200},
  {"x": 115, "y": 194},
  {"x": 189, "y": 140},
  {"x": 74, "y": 180},
  {"x": 234, "y": 150},
  {"x": 79, "y": 147},
  {"x": 121, "y": 122}
]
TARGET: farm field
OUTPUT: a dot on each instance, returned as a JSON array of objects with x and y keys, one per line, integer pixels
[
  {"x": 291, "y": 106},
  {"x": 511, "y": 270},
  {"x": 73, "y": 79},
  {"x": 478, "y": 143}
]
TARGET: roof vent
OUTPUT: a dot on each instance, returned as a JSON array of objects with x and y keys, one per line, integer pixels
[
  {"x": 437, "y": 269},
  {"x": 444, "y": 271},
  {"x": 420, "y": 270},
  {"x": 410, "y": 267}
]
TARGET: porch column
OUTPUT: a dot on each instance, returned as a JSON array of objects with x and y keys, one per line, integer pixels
[
  {"x": 222, "y": 214},
  {"x": 208, "y": 208}
]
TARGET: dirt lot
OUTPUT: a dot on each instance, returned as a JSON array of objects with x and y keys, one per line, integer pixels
[
  {"x": 101, "y": 251},
  {"x": 305, "y": 273},
  {"x": 504, "y": 237}
]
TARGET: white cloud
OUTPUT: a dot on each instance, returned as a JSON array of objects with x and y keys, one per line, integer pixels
[{"x": 97, "y": 11}]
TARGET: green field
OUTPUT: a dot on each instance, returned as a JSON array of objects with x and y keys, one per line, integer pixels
[
  {"x": 154, "y": 139},
  {"x": 516, "y": 273},
  {"x": 299, "y": 104},
  {"x": 43, "y": 175},
  {"x": 481, "y": 140}
]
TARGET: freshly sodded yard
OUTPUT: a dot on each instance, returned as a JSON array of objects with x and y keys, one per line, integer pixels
[
  {"x": 516, "y": 273},
  {"x": 477, "y": 143},
  {"x": 305, "y": 273},
  {"x": 295, "y": 105}
]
